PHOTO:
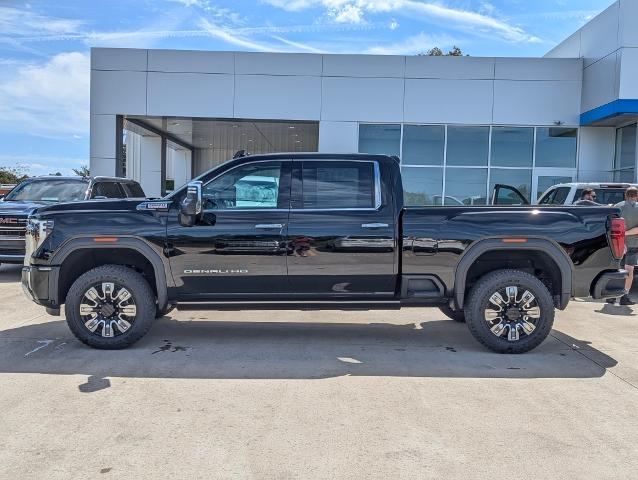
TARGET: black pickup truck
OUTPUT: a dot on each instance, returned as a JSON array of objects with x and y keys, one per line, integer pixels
[
  {"x": 317, "y": 231},
  {"x": 36, "y": 192}
]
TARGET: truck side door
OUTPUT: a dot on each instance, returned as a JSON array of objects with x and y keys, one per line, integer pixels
[
  {"x": 341, "y": 233},
  {"x": 239, "y": 247}
]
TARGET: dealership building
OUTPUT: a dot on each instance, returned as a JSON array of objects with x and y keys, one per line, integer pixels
[{"x": 459, "y": 124}]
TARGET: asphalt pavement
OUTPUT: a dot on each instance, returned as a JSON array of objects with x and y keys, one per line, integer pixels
[{"x": 308, "y": 394}]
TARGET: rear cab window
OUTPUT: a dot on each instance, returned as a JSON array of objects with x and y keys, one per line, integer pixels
[
  {"x": 108, "y": 190},
  {"x": 332, "y": 185},
  {"x": 133, "y": 190},
  {"x": 605, "y": 196}
]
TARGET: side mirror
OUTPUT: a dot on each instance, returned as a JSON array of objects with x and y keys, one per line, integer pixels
[{"x": 191, "y": 207}]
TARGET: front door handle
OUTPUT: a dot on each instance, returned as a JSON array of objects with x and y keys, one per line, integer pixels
[
  {"x": 374, "y": 225},
  {"x": 269, "y": 226}
]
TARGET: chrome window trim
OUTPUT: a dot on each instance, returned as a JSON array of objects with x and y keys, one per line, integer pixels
[{"x": 377, "y": 189}]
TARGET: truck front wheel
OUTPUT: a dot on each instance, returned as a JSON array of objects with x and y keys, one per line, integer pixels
[
  {"x": 110, "y": 307},
  {"x": 509, "y": 311}
]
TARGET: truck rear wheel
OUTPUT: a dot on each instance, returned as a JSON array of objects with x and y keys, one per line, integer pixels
[
  {"x": 456, "y": 315},
  {"x": 509, "y": 311},
  {"x": 110, "y": 307}
]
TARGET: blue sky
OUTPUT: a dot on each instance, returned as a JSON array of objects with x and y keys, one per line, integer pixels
[{"x": 44, "y": 47}]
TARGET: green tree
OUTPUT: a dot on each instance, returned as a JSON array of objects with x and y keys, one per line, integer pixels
[
  {"x": 12, "y": 175},
  {"x": 83, "y": 171},
  {"x": 437, "y": 52}
]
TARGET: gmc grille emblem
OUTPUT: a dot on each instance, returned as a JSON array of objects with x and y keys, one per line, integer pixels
[{"x": 8, "y": 221}]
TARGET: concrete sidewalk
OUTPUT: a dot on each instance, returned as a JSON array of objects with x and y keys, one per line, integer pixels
[{"x": 292, "y": 394}]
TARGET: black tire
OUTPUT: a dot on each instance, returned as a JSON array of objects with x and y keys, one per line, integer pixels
[
  {"x": 456, "y": 315},
  {"x": 164, "y": 311},
  {"x": 141, "y": 296},
  {"x": 495, "y": 333}
]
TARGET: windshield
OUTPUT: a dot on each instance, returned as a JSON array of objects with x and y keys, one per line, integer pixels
[{"x": 48, "y": 191}]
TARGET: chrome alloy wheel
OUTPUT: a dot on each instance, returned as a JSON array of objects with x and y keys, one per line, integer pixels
[
  {"x": 107, "y": 309},
  {"x": 510, "y": 315}
]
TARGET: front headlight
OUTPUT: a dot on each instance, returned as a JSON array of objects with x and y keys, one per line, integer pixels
[{"x": 36, "y": 233}]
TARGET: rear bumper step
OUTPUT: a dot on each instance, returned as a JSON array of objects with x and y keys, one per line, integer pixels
[{"x": 610, "y": 285}]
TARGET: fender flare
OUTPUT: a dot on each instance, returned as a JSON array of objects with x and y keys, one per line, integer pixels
[
  {"x": 549, "y": 247},
  {"x": 132, "y": 243}
]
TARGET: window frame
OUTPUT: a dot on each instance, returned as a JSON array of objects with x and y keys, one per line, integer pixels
[
  {"x": 101, "y": 184},
  {"x": 296, "y": 194}
]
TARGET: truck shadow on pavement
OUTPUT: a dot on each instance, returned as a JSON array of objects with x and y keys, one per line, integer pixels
[{"x": 292, "y": 350}]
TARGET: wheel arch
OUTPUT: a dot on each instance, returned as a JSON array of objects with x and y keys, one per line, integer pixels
[
  {"x": 123, "y": 244},
  {"x": 543, "y": 247}
]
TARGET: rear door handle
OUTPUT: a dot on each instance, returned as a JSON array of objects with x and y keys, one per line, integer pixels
[
  {"x": 269, "y": 226},
  {"x": 374, "y": 225}
]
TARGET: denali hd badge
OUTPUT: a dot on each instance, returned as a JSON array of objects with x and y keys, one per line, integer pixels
[
  {"x": 214, "y": 271},
  {"x": 157, "y": 206}
]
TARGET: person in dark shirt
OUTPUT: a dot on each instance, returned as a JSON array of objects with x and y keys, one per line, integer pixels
[{"x": 587, "y": 198}]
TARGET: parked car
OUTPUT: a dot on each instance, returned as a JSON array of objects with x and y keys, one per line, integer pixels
[
  {"x": 563, "y": 194},
  {"x": 333, "y": 234},
  {"x": 36, "y": 192}
]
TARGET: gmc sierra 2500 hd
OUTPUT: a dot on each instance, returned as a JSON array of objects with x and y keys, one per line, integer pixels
[{"x": 317, "y": 231}]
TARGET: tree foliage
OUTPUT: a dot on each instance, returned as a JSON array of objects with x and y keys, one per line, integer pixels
[
  {"x": 83, "y": 171},
  {"x": 12, "y": 175},
  {"x": 437, "y": 52}
]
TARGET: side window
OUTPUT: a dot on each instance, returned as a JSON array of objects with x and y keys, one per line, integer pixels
[
  {"x": 251, "y": 186},
  {"x": 338, "y": 185},
  {"x": 548, "y": 198},
  {"x": 108, "y": 190},
  {"x": 133, "y": 190},
  {"x": 561, "y": 196}
]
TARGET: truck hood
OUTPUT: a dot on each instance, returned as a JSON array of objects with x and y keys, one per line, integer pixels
[
  {"x": 20, "y": 208},
  {"x": 93, "y": 205}
]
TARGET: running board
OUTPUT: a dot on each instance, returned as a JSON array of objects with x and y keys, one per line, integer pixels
[{"x": 291, "y": 305}]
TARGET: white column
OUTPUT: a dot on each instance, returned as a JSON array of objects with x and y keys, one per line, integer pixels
[
  {"x": 181, "y": 167},
  {"x": 596, "y": 154},
  {"x": 150, "y": 165},
  {"x": 102, "y": 149}
]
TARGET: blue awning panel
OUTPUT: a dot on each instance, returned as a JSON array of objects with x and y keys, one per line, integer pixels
[{"x": 609, "y": 110}]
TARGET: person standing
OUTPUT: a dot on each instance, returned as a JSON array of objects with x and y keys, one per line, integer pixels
[
  {"x": 587, "y": 198},
  {"x": 629, "y": 211}
]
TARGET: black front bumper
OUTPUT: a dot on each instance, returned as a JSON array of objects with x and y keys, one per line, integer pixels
[
  {"x": 40, "y": 285},
  {"x": 610, "y": 284}
]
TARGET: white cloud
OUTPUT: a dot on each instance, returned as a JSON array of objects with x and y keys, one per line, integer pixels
[
  {"x": 227, "y": 35},
  {"x": 421, "y": 42},
  {"x": 49, "y": 99},
  {"x": 42, "y": 164},
  {"x": 19, "y": 22},
  {"x": 348, "y": 14},
  {"x": 466, "y": 20}
]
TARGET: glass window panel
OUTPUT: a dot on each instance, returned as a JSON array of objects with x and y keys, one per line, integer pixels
[
  {"x": 422, "y": 186},
  {"x": 556, "y": 147},
  {"x": 465, "y": 186},
  {"x": 521, "y": 179},
  {"x": 625, "y": 148},
  {"x": 625, "y": 176},
  {"x": 249, "y": 186},
  {"x": 467, "y": 146},
  {"x": 384, "y": 139},
  {"x": 338, "y": 185},
  {"x": 423, "y": 144},
  {"x": 512, "y": 146},
  {"x": 546, "y": 181}
]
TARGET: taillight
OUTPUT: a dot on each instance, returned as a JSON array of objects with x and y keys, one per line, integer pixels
[{"x": 617, "y": 237}]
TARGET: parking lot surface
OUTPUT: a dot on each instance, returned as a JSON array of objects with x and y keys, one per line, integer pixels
[{"x": 307, "y": 394}]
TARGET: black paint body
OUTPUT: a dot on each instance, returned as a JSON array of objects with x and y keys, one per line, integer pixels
[{"x": 327, "y": 255}]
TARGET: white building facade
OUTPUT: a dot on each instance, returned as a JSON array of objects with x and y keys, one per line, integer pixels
[{"x": 459, "y": 124}]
